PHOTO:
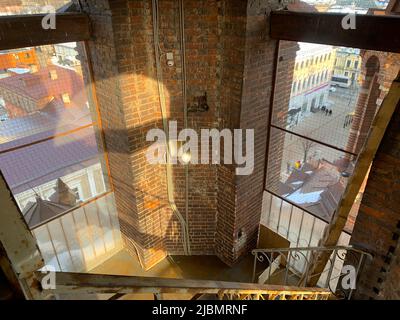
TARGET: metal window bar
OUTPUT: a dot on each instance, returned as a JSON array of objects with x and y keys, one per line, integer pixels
[
  {"x": 273, "y": 194},
  {"x": 270, "y": 126},
  {"x": 92, "y": 99},
  {"x": 62, "y": 134},
  {"x": 300, "y": 228},
  {"x": 66, "y": 241},
  {"x": 290, "y": 221},
  {"x": 313, "y": 140}
]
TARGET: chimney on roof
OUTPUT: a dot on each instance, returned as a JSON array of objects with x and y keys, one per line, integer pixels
[
  {"x": 65, "y": 98},
  {"x": 34, "y": 68},
  {"x": 53, "y": 74},
  {"x": 63, "y": 194}
]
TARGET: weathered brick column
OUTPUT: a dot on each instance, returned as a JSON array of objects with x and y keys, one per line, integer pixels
[
  {"x": 247, "y": 81},
  {"x": 283, "y": 88},
  {"x": 378, "y": 71},
  {"x": 229, "y": 56},
  {"x": 123, "y": 66},
  {"x": 377, "y": 227},
  {"x": 366, "y": 104}
]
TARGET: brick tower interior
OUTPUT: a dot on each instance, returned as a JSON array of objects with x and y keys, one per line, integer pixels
[{"x": 321, "y": 108}]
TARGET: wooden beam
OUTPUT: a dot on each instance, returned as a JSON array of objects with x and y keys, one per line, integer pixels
[
  {"x": 371, "y": 32},
  {"x": 393, "y": 7},
  {"x": 364, "y": 160},
  {"x": 26, "y": 30}
]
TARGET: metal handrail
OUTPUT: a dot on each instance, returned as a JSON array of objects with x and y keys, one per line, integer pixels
[
  {"x": 352, "y": 248},
  {"x": 84, "y": 283},
  {"x": 298, "y": 261}
]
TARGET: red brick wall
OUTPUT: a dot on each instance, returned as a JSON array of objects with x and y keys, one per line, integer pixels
[
  {"x": 377, "y": 227},
  {"x": 201, "y": 42},
  {"x": 123, "y": 63},
  {"x": 233, "y": 28},
  {"x": 249, "y": 80},
  {"x": 229, "y": 56},
  {"x": 378, "y": 71},
  {"x": 283, "y": 87}
]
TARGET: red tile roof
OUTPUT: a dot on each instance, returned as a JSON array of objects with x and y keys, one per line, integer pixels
[
  {"x": 301, "y": 6},
  {"x": 32, "y": 166},
  {"x": 39, "y": 85}
]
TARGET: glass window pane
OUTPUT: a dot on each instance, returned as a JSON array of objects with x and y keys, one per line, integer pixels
[
  {"x": 307, "y": 173},
  {"x": 326, "y": 107},
  {"x": 42, "y": 94},
  {"x": 339, "y": 6},
  {"x": 20, "y": 7},
  {"x": 334, "y": 101},
  {"x": 320, "y": 120},
  {"x": 34, "y": 173},
  {"x": 50, "y": 148}
]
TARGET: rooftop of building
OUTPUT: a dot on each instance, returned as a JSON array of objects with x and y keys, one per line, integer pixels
[
  {"x": 50, "y": 81},
  {"x": 312, "y": 49},
  {"x": 70, "y": 153},
  {"x": 317, "y": 188},
  {"x": 40, "y": 210}
]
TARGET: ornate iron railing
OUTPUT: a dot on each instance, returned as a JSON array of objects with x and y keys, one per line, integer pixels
[{"x": 293, "y": 266}]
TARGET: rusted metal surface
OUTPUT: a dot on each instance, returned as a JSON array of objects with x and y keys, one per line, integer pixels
[
  {"x": 18, "y": 242},
  {"x": 81, "y": 283},
  {"x": 12, "y": 283}
]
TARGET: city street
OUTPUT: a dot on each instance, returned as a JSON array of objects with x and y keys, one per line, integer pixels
[{"x": 325, "y": 128}]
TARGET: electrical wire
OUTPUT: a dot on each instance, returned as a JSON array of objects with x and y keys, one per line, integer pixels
[
  {"x": 170, "y": 186},
  {"x": 185, "y": 111}
]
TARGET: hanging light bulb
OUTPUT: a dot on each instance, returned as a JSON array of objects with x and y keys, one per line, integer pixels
[{"x": 186, "y": 157}]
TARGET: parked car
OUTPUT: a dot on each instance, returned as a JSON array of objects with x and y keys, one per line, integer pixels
[
  {"x": 3, "y": 117},
  {"x": 3, "y": 114}
]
